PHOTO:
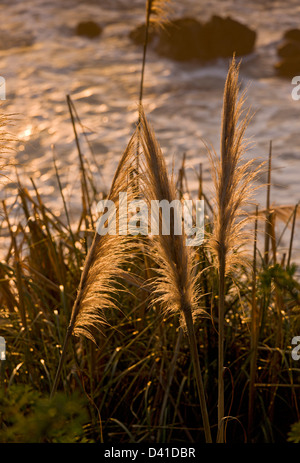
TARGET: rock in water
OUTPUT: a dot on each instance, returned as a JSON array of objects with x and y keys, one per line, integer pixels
[
  {"x": 138, "y": 34},
  {"x": 289, "y": 51},
  {"x": 292, "y": 34},
  {"x": 186, "y": 38},
  {"x": 228, "y": 36},
  {"x": 88, "y": 29},
  {"x": 289, "y": 67},
  {"x": 182, "y": 39}
]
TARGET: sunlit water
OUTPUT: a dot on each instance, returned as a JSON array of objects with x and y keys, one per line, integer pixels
[{"x": 43, "y": 60}]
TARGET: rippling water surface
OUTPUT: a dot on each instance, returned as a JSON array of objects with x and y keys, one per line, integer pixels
[{"x": 43, "y": 60}]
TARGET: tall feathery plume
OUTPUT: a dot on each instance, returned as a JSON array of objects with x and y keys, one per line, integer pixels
[
  {"x": 175, "y": 287},
  {"x": 233, "y": 183},
  {"x": 103, "y": 264}
]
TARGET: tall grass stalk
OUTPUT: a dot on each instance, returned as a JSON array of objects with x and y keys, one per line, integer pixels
[
  {"x": 103, "y": 265},
  {"x": 84, "y": 186},
  {"x": 233, "y": 186},
  {"x": 268, "y": 216},
  {"x": 254, "y": 332},
  {"x": 155, "y": 13},
  {"x": 292, "y": 235},
  {"x": 175, "y": 287}
]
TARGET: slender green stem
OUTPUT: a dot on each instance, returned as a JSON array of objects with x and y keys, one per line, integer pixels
[
  {"x": 267, "y": 225},
  {"x": 221, "y": 315},
  {"x": 292, "y": 235},
  {"x": 198, "y": 375},
  {"x": 254, "y": 334},
  {"x": 61, "y": 360},
  {"x": 148, "y": 15},
  {"x": 66, "y": 211},
  {"x": 83, "y": 175},
  {"x": 170, "y": 379}
]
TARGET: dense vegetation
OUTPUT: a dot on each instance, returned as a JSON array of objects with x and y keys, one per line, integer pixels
[{"x": 136, "y": 379}]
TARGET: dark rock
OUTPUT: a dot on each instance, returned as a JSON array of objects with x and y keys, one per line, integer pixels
[
  {"x": 88, "y": 29},
  {"x": 292, "y": 34},
  {"x": 227, "y": 36},
  {"x": 186, "y": 38},
  {"x": 138, "y": 34},
  {"x": 182, "y": 39},
  {"x": 289, "y": 67},
  {"x": 288, "y": 49}
]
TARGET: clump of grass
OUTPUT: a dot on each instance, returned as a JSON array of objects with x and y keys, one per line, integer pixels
[{"x": 139, "y": 381}]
